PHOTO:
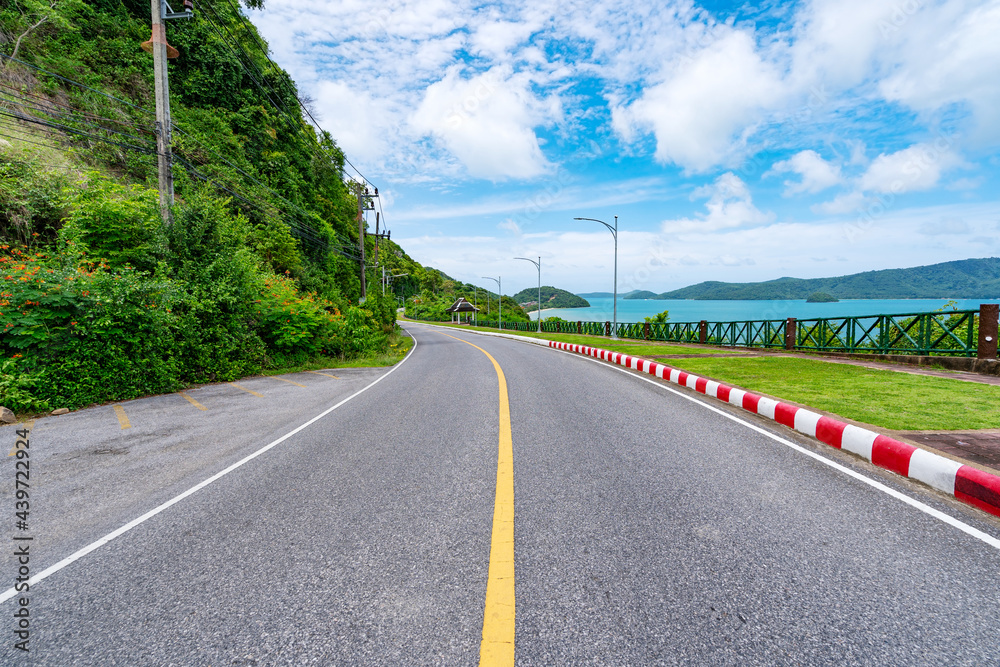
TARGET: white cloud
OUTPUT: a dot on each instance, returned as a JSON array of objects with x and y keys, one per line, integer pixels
[
  {"x": 816, "y": 173},
  {"x": 510, "y": 225},
  {"x": 949, "y": 54},
  {"x": 352, "y": 118},
  {"x": 729, "y": 205},
  {"x": 486, "y": 122},
  {"x": 918, "y": 167},
  {"x": 706, "y": 103},
  {"x": 947, "y": 226},
  {"x": 848, "y": 202}
]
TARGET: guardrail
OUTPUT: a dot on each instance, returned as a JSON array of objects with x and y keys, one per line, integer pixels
[{"x": 960, "y": 333}]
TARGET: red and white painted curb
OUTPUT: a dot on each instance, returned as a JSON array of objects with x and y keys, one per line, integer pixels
[{"x": 965, "y": 483}]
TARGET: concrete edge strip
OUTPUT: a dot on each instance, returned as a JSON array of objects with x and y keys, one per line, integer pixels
[{"x": 967, "y": 484}]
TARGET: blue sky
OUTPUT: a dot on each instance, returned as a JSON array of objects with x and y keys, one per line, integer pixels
[{"x": 734, "y": 142}]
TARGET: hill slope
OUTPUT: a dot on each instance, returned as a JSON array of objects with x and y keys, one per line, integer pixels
[
  {"x": 962, "y": 279},
  {"x": 552, "y": 297}
]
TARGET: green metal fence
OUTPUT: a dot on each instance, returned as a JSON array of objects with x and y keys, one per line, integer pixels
[
  {"x": 953, "y": 333},
  {"x": 949, "y": 333}
]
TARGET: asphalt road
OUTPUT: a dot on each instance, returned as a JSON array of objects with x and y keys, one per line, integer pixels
[{"x": 648, "y": 528}]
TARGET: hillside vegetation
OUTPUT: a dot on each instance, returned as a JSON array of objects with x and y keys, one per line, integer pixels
[
  {"x": 552, "y": 297},
  {"x": 441, "y": 291},
  {"x": 962, "y": 279},
  {"x": 99, "y": 299}
]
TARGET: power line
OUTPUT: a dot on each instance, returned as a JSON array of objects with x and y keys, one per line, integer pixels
[
  {"x": 76, "y": 83},
  {"x": 280, "y": 109},
  {"x": 252, "y": 30},
  {"x": 304, "y": 230},
  {"x": 70, "y": 130},
  {"x": 86, "y": 114},
  {"x": 60, "y": 116}
]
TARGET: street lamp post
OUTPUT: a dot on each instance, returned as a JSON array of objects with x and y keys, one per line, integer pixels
[
  {"x": 538, "y": 265},
  {"x": 614, "y": 233},
  {"x": 499, "y": 297},
  {"x": 386, "y": 279}
]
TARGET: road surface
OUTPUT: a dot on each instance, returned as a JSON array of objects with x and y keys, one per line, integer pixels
[{"x": 648, "y": 528}]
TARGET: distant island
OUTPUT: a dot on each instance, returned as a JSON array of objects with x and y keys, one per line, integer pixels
[
  {"x": 596, "y": 295},
  {"x": 961, "y": 279},
  {"x": 552, "y": 297},
  {"x": 822, "y": 297},
  {"x": 640, "y": 294}
]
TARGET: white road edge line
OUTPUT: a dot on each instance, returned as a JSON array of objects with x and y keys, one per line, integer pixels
[
  {"x": 11, "y": 592},
  {"x": 926, "y": 509}
]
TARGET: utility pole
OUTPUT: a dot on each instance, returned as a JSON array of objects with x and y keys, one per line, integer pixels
[
  {"x": 157, "y": 44},
  {"x": 360, "y": 191},
  {"x": 365, "y": 203}
]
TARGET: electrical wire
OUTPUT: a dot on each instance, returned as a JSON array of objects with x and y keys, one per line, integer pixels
[
  {"x": 64, "y": 117},
  {"x": 302, "y": 229},
  {"x": 280, "y": 109},
  {"x": 77, "y": 84},
  {"x": 70, "y": 130},
  {"x": 86, "y": 114},
  {"x": 251, "y": 29}
]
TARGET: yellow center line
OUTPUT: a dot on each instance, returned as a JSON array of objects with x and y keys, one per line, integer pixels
[
  {"x": 249, "y": 391},
  {"x": 497, "y": 647},
  {"x": 17, "y": 446},
  {"x": 192, "y": 401},
  {"x": 122, "y": 417},
  {"x": 326, "y": 374},
  {"x": 275, "y": 377}
]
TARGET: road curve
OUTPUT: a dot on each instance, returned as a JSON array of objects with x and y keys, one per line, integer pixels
[{"x": 648, "y": 529}]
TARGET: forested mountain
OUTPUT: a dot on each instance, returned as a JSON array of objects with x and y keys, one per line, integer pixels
[
  {"x": 258, "y": 266},
  {"x": 552, "y": 297},
  {"x": 962, "y": 279}
]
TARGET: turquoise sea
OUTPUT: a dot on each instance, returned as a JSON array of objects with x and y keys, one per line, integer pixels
[{"x": 729, "y": 311}]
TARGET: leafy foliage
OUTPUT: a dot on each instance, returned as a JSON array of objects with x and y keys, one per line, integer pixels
[
  {"x": 99, "y": 300},
  {"x": 659, "y": 318}
]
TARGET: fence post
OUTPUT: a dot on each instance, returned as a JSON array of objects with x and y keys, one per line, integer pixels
[
  {"x": 790, "y": 331},
  {"x": 645, "y": 331},
  {"x": 988, "y": 315},
  {"x": 607, "y": 328},
  {"x": 579, "y": 327},
  {"x": 703, "y": 331}
]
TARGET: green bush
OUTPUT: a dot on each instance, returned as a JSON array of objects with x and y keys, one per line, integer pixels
[
  {"x": 114, "y": 222},
  {"x": 17, "y": 388}
]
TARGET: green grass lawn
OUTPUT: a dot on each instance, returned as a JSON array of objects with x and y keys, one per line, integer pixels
[{"x": 885, "y": 399}]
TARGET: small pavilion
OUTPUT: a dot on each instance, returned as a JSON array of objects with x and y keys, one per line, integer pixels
[{"x": 461, "y": 306}]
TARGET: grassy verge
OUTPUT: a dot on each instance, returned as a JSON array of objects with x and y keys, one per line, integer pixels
[
  {"x": 650, "y": 348},
  {"x": 885, "y": 399},
  {"x": 399, "y": 345}
]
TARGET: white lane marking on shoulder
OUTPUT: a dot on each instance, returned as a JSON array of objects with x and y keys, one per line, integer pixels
[
  {"x": 913, "y": 502},
  {"x": 10, "y": 592}
]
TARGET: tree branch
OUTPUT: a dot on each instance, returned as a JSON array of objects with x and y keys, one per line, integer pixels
[{"x": 24, "y": 34}]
